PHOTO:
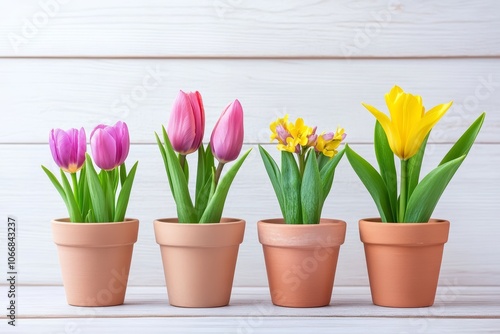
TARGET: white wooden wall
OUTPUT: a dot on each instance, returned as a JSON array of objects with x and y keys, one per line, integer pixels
[{"x": 317, "y": 59}]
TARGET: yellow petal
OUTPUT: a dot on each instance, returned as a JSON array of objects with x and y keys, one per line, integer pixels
[
  {"x": 425, "y": 125},
  {"x": 391, "y": 131}
]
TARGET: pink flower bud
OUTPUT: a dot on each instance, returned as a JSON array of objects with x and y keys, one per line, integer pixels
[
  {"x": 68, "y": 148},
  {"x": 227, "y": 137},
  {"x": 110, "y": 145},
  {"x": 186, "y": 125}
]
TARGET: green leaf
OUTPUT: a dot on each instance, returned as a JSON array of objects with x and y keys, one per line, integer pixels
[
  {"x": 373, "y": 183},
  {"x": 322, "y": 161},
  {"x": 385, "y": 159},
  {"x": 274, "y": 174},
  {"x": 123, "y": 174},
  {"x": 96, "y": 192},
  {"x": 290, "y": 188},
  {"x": 311, "y": 192},
  {"x": 213, "y": 212},
  {"x": 58, "y": 187},
  {"x": 74, "y": 211},
  {"x": 178, "y": 182},
  {"x": 464, "y": 143},
  {"x": 414, "y": 167},
  {"x": 327, "y": 173},
  {"x": 124, "y": 196},
  {"x": 84, "y": 194},
  {"x": 427, "y": 193}
]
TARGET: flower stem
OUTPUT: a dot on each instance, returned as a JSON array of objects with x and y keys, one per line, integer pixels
[
  {"x": 182, "y": 160},
  {"x": 75, "y": 189},
  {"x": 302, "y": 163},
  {"x": 218, "y": 172},
  {"x": 403, "y": 193}
]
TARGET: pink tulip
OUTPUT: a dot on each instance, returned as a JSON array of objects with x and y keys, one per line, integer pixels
[
  {"x": 187, "y": 122},
  {"x": 68, "y": 148},
  {"x": 110, "y": 145},
  {"x": 227, "y": 137}
]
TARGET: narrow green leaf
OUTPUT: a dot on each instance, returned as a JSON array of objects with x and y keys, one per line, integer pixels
[
  {"x": 58, "y": 186},
  {"x": 274, "y": 174},
  {"x": 74, "y": 211},
  {"x": 97, "y": 196},
  {"x": 311, "y": 191},
  {"x": 124, "y": 196},
  {"x": 322, "y": 161},
  {"x": 327, "y": 174},
  {"x": 203, "y": 196},
  {"x": 178, "y": 182},
  {"x": 165, "y": 162},
  {"x": 385, "y": 159},
  {"x": 373, "y": 183},
  {"x": 464, "y": 143},
  {"x": 427, "y": 193},
  {"x": 84, "y": 194},
  {"x": 123, "y": 174},
  {"x": 213, "y": 212},
  {"x": 414, "y": 167},
  {"x": 290, "y": 188}
]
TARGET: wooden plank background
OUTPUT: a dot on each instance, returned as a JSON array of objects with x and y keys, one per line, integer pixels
[{"x": 101, "y": 61}]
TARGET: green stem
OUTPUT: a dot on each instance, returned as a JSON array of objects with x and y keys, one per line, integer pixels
[
  {"x": 403, "y": 193},
  {"x": 182, "y": 160},
  {"x": 75, "y": 190},
  {"x": 302, "y": 163},
  {"x": 218, "y": 173}
]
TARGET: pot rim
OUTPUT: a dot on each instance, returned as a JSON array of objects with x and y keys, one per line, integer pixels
[
  {"x": 379, "y": 220},
  {"x": 228, "y": 232},
  {"x": 276, "y": 233},
  {"x": 115, "y": 234},
  {"x": 65, "y": 221},
  {"x": 281, "y": 222},
  {"x": 434, "y": 232},
  {"x": 223, "y": 221}
]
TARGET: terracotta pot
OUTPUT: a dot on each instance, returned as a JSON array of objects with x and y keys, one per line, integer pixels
[
  {"x": 199, "y": 260},
  {"x": 95, "y": 260},
  {"x": 403, "y": 260},
  {"x": 301, "y": 260}
]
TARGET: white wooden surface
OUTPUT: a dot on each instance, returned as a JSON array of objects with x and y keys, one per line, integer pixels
[
  {"x": 457, "y": 309},
  {"x": 80, "y": 63}
]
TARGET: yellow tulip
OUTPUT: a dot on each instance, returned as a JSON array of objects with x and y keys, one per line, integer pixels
[{"x": 409, "y": 123}]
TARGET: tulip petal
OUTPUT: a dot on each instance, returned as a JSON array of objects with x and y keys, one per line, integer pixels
[
  {"x": 227, "y": 137},
  {"x": 199, "y": 118},
  {"x": 390, "y": 130},
  {"x": 181, "y": 127},
  {"x": 425, "y": 125},
  {"x": 103, "y": 147}
]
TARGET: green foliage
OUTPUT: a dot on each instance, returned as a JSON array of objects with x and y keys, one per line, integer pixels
[
  {"x": 420, "y": 198},
  {"x": 210, "y": 196},
  {"x": 301, "y": 197},
  {"x": 93, "y": 197}
]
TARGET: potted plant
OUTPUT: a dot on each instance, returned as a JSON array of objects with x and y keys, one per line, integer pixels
[
  {"x": 301, "y": 248},
  {"x": 95, "y": 243},
  {"x": 199, "y": 248},
  {"x": 404, "y": 246}
]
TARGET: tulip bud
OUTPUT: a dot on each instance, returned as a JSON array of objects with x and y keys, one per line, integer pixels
[
  {"x": 68, "y": 148},
  {"x": 110, "y": 145},
  {"x": 227, "y": 137},
  {"x": 186, "y": 125}
]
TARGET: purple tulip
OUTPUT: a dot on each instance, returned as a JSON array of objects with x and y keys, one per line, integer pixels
[
  {"x": 68, "y": 148},
  {"x": 110, "y": 145},
  {"x": 227, "y": 137},
  {"x": 187, "y": 122}
]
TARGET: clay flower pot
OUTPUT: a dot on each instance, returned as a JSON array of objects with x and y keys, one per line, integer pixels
[
  {"x": 301, "y": 260},
  {"x": 199, "y": 260},
  {"x": 95, "y": 260},
  {"x": 403, "y": 260}
]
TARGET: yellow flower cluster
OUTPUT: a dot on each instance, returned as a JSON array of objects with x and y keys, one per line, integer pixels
[{"x": 297, "y": 137}]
